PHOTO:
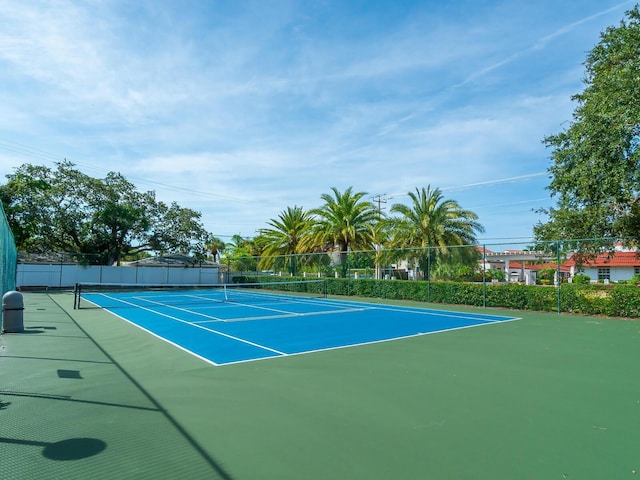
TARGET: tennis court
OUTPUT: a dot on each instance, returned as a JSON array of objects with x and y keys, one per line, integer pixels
[
  {"x": 228, "y": 324},
  {"x": 87, "y": 395}
]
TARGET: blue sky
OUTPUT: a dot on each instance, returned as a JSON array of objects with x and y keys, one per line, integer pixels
[{"x": 239, "y": 109}]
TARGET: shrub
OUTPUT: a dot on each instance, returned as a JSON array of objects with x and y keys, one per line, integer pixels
[
  {"x": 497, "y": 274},
  {"x": 546, "y": 276},
  {"x": 581, "y": 279},
  {"x": 588, "y": 299}
]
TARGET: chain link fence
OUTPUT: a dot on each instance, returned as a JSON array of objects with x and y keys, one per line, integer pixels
[
  {"x": 512, "y": 273},
  {"x": 8, "y": 256}
]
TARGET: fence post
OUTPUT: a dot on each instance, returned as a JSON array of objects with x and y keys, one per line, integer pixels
[
  {"x": 428, "y": 274},
  {"x": 484, "y": 276},
  {"x": 348, "y": 274},
  {"x": 558, "y": 274}
]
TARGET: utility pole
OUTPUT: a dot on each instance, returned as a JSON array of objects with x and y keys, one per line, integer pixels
[{"x": 380, "y": 199}]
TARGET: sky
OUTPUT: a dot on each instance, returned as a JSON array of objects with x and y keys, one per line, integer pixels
[{"x": 239, "y": 109}]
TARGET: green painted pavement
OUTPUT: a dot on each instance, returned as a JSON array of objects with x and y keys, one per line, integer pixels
[{"x": 547, "y": 396}]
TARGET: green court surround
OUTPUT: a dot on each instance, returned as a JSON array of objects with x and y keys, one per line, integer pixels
[{"x": 84, "y": 394}]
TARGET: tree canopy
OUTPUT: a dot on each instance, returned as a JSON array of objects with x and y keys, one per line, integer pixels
[
  {"x": 100, "y": 220},
  {"x": 595, "y": 172},
  {"x": 345, "y": 220},
  {"x": 435, "y": 222},
  {"x": 284, "y": 236}
]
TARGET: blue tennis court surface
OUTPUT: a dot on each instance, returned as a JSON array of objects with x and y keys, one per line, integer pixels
[{"x": 231, "y": 330}]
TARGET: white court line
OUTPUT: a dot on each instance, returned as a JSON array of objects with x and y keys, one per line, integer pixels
[
  {"x": 222, "y": 334},
  {"x": 372, "y": 342},
  {"x": 258, "y": 307},
  {"x": 160, "y": 337},
  {"x": 289, "y": 315},
  {"x": 280, "y": 298},
  {"x": 446, "y": 313},
  {"x": 366, "y": 306},
  {"x": 249, "y": 305},
  {"x": 208, "y": 298},
  {"x": 424, "y": 311},
  {"x": 210, "y": 317}
]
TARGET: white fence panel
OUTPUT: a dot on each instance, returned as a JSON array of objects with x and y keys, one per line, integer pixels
[
  {"x": 149, "y": 275},
  {"x": 66, "y": 276},
  {"x": 38, "y": 275},
  {"x": 72, "y": 274}
]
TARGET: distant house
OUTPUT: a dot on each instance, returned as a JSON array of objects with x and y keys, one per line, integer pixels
[
  {"x": 607, "y": 267},
  {"x": 520, "y": 266},
  {"x": 525, "y": 266},
  {"x": 532, "y": 271}
]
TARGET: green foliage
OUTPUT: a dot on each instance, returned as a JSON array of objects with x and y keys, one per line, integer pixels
[
  {"x": 546, "y": 276},
  {"x": 241, "y": 254},
  {"x": 619, "y": 300},
  {"x": 345, "y": 220},
  {"x": 215, "y": 247},
  {"x": 453, "y": 271},
  {"x": 595, "y": 171},
  {"x": 63, "y": 209},
  {"x": 439, "y": 223},
  {"x": 284, "y": 237},
  {"x": 623, "y": 300},
  {"x": 497, "y": 274},
  {"x": 581, "y": 279},
  {"x": 635, "y": 280},
  {"x": 478, "y": 276}
]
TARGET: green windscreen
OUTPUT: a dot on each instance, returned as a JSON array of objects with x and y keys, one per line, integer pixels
[{"x": 8, "y": 255}]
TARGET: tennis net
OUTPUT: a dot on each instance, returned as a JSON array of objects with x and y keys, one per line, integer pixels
[
  {"x": 8, "y": 256},
  {"x": 114, "y": 295}
]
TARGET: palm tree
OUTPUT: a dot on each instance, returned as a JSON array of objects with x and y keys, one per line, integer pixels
[
  {"x": 434, "y": 224},
  {"x": 284, "y": 237},
  {"x": 344, "y": 221},
  {"x": 215, "y": 246}
]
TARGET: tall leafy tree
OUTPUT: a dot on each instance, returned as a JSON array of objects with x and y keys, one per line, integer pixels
[
  {"x": 284, "y": 237},
  {"x": 595, "y": 172},
  {"x": 344, "y": 221},
  {"x": 46, "y": 207},
  {"x": 175, "y": 229},
  {"x": 118, "y": 216},
  {"x": 63, "y": 209},
  {"x": 435, "y": 226}
]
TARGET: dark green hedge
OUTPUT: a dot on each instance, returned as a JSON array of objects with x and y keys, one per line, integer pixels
[{"x": 611, "y": 300}]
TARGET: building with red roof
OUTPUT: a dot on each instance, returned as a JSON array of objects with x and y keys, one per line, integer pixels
[{"x": 610, "y": 266}]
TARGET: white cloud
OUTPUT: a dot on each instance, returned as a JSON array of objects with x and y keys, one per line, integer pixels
[{"x": 242, "y": 110}]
